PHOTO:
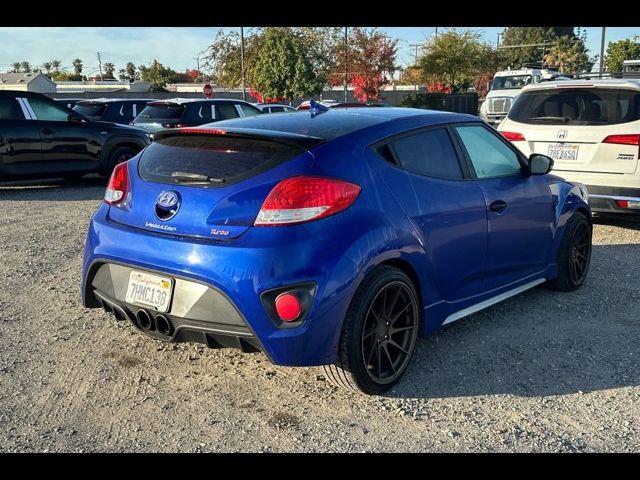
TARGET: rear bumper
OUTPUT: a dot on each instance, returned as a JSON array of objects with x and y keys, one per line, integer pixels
[
  {"x": 234, "y": 275},
  {"x": 605, "y": 199}
]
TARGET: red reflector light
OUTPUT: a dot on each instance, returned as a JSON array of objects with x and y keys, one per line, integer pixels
[
  {"x": 118, "y": 185},
  {"x": 513, "y": 136},
  {"x": 632, "y": 139},
  {"x": 302, "y": 199},
  {"x": 288, "y": 307},
  {"x": 623, "y": 203}
]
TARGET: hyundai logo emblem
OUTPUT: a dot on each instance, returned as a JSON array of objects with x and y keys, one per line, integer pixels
[
  {"x": 562, "y": 134},
  {"x": 167, "y": 204}
]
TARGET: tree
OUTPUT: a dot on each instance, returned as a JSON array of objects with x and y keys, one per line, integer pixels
[
  {"x": 569, "y": 55},
  {"x": 25, "y": 67},
  {"x": 457, "y": 58},
  {"x": 517, "y": 57},
  {"x": 16, "y": 67},
  {"x": 223, "y": 57},
  {"x": 77, "y": 66},
  {"x": 130, "y": 69},
  {"x": 55, "y": 65},
  {"x": 618, "y": 52},
  {"x": 47, "y": 68},
  {"x": 109, "y": 68},
  {"x": 156, "y": 74},
  {"x": 283, "y": 68}
]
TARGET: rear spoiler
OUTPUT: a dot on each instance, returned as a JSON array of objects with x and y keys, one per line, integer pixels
[{"x": 303, "y": 141}]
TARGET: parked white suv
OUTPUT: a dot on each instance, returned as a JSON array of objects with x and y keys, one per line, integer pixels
[{"x": 591, "y": 129}]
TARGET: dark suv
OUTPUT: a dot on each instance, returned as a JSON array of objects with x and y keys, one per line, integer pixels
[
  {"x": 188, "y": 112},
  {"x": 41, "y": 138},
  {"x": 115, "y": 110}
]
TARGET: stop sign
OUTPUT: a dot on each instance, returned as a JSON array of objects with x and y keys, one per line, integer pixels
[{"x": 207, "y": 90}]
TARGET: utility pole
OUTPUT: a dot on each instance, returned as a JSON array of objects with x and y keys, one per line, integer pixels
[
  {"x": 436, "y": 33},
  {"x": 602, "y": 52},
  {"x": 498, "y": 40},
  {"x": 346, "y": 60},
  {"x": 100, "y": 66},
  {"x": 415, "y": 61},
  {"x": 197, "y": 59},
  {"x": 244, "y": 90}
]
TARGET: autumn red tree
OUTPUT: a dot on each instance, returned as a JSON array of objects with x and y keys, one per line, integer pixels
[
  {"x": 262, "y": 99},
  {"x": 371, "y": 56}
]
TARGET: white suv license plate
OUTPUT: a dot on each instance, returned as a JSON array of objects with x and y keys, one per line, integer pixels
[
  {"x": 149, "y": 290},
  {"x": 563, "y": 152}
]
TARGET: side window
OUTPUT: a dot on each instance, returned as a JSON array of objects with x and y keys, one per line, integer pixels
[
  {"x": 204, "y": 113},
  {"x": 489, "y": 155},
  {"x": 429, "y": 153},
  {"x": 47, "y": 111},
  {"x": 9, "y": 109},
  {"x": 249, "y": 111},
  {"x": 277, "y": 109},
  {"x": 225, "y": 111}
]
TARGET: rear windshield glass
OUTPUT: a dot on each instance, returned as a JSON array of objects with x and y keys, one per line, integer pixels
[
  {"x": 90, "y": 110},
  {"x": 577, "y": 106},
  {"x": 161, "y": 111},
  {"x": 221, "y": 159}
]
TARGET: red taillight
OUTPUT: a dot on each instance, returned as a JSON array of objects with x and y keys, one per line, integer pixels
[
  {"x": 288, "y": 307},
  {"x": 633, "y": 139},
  {"x": 211, "y": 131},
  {"x": 302, "y": 199},
  {"x": 513, "y": 136},
  {"x": 118, "y": 185}
]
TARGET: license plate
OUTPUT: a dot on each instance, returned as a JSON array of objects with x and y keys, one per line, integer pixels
[
  {"x": 563, "y": 152},
  {"x": 149, "y": 290}
]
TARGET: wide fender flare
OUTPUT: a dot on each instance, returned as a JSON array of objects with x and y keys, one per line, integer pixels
[{"x": 568, "y": 198}]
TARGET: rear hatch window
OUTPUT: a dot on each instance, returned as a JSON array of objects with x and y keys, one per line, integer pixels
[
  {"x": 158, "y": 111},
  {"x": 577, "y": 106},
  {"x": 211, "y": 160},
  {"x": 90, "y": 109}
]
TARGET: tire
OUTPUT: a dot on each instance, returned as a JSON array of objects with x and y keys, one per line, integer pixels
[
  {"x": 370, "y": 309},
  {"x": 119, "y": 155},
  {"x": 574, "y": 256}
]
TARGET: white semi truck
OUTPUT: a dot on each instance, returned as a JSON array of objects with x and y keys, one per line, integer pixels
[{"x": 505, "y": 87}]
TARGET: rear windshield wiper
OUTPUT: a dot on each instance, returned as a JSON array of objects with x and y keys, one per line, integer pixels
[
  {"x": 185, "y": 177},
  {"x": 561, "y": 119}
]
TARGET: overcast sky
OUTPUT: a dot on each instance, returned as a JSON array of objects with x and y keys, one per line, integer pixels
[{"x": 177, "y": 47}]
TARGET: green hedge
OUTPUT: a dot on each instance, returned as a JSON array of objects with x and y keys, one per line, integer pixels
[{"x": 431, "y": 101}]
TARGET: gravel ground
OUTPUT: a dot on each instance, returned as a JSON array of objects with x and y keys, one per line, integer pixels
[{"x": 544, "y": 371}]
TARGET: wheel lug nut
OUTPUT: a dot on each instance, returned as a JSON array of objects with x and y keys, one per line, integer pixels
[
  {"x": 388, "y": 324},
  {"x": 386, "y": 337}
]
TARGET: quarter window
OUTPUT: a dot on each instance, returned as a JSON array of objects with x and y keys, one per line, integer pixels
[
  {"x": 488, "y": 154},
  {"x": 47, "y": 111},
  {"x": 225, "y": 111},
  {"x": 429, "y": 153},
  {"x": 249, "y": 111}
]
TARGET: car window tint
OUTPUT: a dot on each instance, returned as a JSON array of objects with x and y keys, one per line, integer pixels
[
  {"x": 125, "y": 110},
  {"x": 428, "y": 153},
  {"x": 48, "y": 111},
  {"x": 277, "y": 109},
  {"x": 225, "y": 111},
  {"x": 249, "y": 111},
  {"x": 489, "y": 155},
  {"x": 577, "y": 106},
  {"x": 9, "y": 109}
]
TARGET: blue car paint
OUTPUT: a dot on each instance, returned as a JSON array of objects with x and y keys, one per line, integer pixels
[{"x": 445, "y": 245}]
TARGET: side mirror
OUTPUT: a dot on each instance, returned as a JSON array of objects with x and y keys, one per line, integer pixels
[
  {"x": 74, "y": 118},
  {"x": 540, "y": 164}
]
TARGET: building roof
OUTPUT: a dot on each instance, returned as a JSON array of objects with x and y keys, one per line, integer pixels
[{"x": 21, "y": 78}]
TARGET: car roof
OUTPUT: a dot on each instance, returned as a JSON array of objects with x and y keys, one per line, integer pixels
[
  {"x": 181, "y": 101},
  {"x": 596, "y": 83},
  {"x": 335, "y": 123},
  {"x": 110, "y": 100}
]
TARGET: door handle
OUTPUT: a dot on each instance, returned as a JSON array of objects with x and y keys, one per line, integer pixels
[
  {"x": 47, "y": 130},
  {"x": 498, "y": 206}
]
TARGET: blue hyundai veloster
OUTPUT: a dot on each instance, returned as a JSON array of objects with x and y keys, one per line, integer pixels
[{"x": 332, "y": 238}]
